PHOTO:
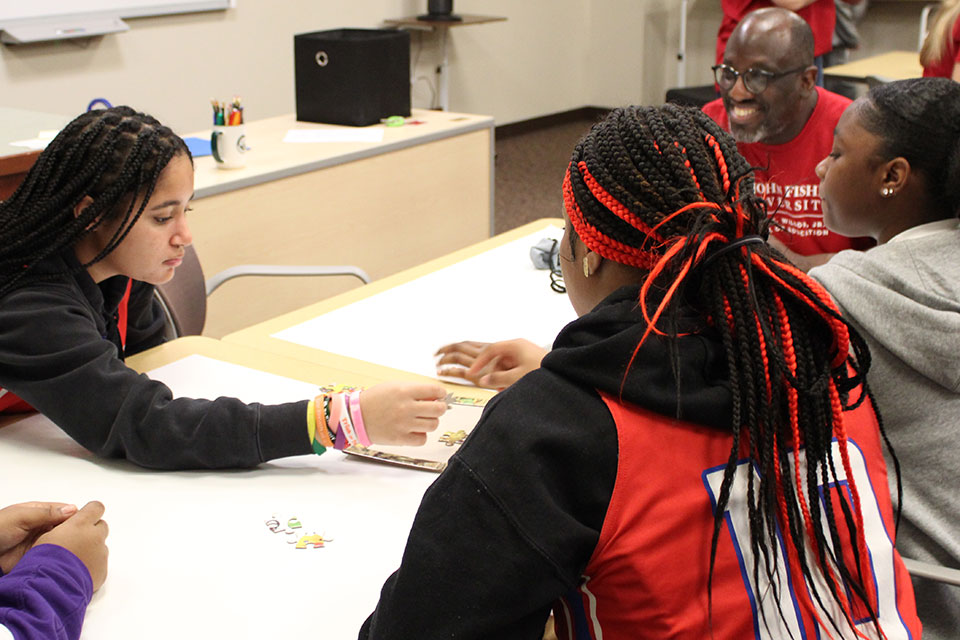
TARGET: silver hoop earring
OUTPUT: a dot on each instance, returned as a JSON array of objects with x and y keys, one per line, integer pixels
[{"x": 886, "y": 192}]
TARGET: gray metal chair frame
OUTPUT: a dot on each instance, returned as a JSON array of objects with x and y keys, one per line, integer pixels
[
  {"x": 933, "y": 572},
  {"x": 184, "y": 298}
]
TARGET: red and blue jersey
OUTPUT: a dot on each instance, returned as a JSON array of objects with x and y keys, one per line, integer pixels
[{"x": 648, "y": 575}]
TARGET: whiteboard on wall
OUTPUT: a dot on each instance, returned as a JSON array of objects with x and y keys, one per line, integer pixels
[{"x": 23, "y": 21}]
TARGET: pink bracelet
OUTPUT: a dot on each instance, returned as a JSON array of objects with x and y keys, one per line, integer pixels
[
  {"x": 346, "y": 423},
  {"x": 357, "y": 416},
  {"x": 335, "y": 413}
]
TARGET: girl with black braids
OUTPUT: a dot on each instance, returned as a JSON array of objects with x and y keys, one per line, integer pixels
[
  {"x": 98, "y": 221},
  {"x": 695, "y": 458},
  {"x": 894, "y": 174}
]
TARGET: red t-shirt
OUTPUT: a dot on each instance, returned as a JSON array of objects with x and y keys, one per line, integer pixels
[
  {"x": 647, "y": 577},
  {"x": 821, "y": 16},
  {"x": 786, "y": 177},
  {"x": 943, "y": 68}
]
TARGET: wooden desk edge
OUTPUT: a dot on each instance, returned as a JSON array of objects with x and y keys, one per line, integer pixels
[{"x": 333, "y": 370}]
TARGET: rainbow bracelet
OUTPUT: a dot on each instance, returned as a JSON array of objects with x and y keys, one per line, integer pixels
[{"x": 331, "y": 433}]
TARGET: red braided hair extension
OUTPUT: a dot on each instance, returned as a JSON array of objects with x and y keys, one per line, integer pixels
[
  {"x": 595, "y": 240},
  {"x": 657, "y": 269},
  {"x": 762, "y": 340},
  {"x": 688, "y": 207},
  {"x": 840, "y": 433},
  {"x": 786, "y": 340},
  {"x": 721, "y": 162},
  {"x": 614, "y": 205},
  {"x": 839, "y": 330},
  {"x": 686, "y": 163}
]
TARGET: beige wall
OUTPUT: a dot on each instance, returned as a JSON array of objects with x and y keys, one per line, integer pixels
[{"x": 549, "y": 56}]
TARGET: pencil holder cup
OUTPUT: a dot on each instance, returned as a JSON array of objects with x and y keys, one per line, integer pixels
[{"x": 229, "y": 146}]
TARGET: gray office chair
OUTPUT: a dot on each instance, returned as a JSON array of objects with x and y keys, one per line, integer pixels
[{"x": 184, "y": 298}]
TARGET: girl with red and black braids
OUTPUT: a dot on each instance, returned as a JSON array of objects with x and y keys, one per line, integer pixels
[{"x": 696, "y": 457}]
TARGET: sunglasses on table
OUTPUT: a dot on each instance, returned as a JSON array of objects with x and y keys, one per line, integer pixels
[{"x": 754, "y": 80}]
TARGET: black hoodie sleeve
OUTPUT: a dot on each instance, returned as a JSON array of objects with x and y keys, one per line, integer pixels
[
  {"x": 510, "y": 524},
  {"x": 54, "y": 357}
]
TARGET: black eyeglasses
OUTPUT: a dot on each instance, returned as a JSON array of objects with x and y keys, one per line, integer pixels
[{"x": 755, "y": 80}]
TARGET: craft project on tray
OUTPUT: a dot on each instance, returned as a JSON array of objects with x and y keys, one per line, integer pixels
[{"x": 462, "y": 415}]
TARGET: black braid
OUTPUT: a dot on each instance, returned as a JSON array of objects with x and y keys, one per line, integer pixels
[{"x": 115, "y": 156}]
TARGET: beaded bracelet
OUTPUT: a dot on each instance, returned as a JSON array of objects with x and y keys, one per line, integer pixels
[
  {"x": 357, "y": 416},
  {"x": 331, "y": 432}
]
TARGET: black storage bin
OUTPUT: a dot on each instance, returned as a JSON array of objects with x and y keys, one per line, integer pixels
[{"x": 352, "y": 76}]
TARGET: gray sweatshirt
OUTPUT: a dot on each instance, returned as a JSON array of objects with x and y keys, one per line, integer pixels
[{"x": 904, "y": 298}]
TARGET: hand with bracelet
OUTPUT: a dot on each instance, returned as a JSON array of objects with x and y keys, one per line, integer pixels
[{"x": 392, "y": 413}]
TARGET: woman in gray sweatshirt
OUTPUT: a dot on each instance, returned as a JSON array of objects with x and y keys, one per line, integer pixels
[{"x": 894, "y": 174}]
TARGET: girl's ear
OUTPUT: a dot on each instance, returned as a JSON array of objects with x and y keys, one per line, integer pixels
[
  {"x": 895, "y": 175},
  {"x": 592, "y": 261},
  {"x": 83, "y": 204}
]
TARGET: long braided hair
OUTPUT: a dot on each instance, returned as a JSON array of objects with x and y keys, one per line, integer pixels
[
  {"x": 115, "y": 156},
  {"x": 665, "y": 190}
]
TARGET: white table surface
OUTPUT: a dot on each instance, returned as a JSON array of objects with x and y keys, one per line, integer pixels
[
  {"x": 190, "y": 554},
  {"x": 494, "y": 295}
]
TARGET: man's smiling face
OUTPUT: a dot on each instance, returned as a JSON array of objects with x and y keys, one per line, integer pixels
[{"x": 776, "y": 114}]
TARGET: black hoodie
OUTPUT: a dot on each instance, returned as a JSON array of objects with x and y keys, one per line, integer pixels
[
  {"x": 60, "y": 351},
  {"x": 512, "y": 522}
]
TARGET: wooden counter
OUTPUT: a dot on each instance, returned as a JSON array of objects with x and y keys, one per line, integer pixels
[{"x": 424, "y": 191}]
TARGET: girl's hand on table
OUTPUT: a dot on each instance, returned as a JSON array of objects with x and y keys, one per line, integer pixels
[
  {"x": 21, "y": 525},
  {"x": 84, "y": 534},
  {"x": 494, "y": 365}
]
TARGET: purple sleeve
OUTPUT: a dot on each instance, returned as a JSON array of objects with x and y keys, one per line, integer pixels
[{"x": 46, "y": 595}]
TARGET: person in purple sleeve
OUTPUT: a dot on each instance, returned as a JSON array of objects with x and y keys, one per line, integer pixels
[{"x": 52, "y": 557}]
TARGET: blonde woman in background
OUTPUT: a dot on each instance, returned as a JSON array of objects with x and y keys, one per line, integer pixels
[{"x": 940, "y": 54}]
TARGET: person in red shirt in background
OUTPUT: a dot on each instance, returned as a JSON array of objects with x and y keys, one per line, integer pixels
[
  {"x": 940, "y": 54},
  {"x": 783, "y": 124}
]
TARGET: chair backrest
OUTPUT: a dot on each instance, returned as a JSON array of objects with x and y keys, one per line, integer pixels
[
  {"x": 184, "y": 298},
  {"x": 692, "y": 96}
]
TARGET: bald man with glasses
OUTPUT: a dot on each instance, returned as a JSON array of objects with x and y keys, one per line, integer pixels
[{"x": 783, "y": 124}]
